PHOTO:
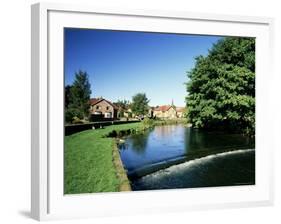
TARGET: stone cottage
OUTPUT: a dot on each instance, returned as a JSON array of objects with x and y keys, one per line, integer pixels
[
  {"x": 168, "y": 112},
  {"x": 102, "y": 109}
]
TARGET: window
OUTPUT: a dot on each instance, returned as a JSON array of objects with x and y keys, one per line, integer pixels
[
  {"x": 97, "y": 107},
  {"x": 107, "y": 108}
]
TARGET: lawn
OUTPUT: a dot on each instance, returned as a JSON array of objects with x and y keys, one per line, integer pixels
[{"x": 90, "y": 161}]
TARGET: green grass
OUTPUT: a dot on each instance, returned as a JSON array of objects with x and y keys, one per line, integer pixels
[
  {"x": 89, "y": 163},
  {"x": 92, "y": 162}
]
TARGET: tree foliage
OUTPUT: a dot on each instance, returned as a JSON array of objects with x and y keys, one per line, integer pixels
[
  {"x": 221, "y": 87},
  {"x": 77, "y": 97},
  {"x": 67, "y": 96},
  {"x": 139, "y": 104}
]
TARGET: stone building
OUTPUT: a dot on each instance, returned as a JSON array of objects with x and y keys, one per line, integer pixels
[
  {"x": 102, "y": 109},
  {"x": 168, "y": 112},
  {"x": 180, "y": 112},
  {"x": 165, "y": 112}
]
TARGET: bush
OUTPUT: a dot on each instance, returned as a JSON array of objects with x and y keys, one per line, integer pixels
[
  {"x": 71, "y": 113},
  {"x": 147, "y": 122},
  {"x": 77, "y": 120}
]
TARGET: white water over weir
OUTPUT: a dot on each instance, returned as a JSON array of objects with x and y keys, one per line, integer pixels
[
  {"x": 175, "y": 156},
  {"x": 193, "y": 173},
  {"x": 199, "y": 161}
]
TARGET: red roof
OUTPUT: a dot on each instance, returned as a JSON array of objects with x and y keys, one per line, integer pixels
[
  {"x": 167, "y": 107},
  {"x": 180, "y": 109},
  {"x": 162, "y": 108},
  {"x": 95, "y": 101}
]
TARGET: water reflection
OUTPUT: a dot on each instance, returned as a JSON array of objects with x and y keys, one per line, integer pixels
[
  {"x": 170, "y": 144},
  {"x": 139, "y": 142},
  {"x": 136, "y": 142}
]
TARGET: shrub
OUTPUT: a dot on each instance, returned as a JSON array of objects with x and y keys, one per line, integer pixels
[
  {"x": 71, "y": 113},
  {"x": 77, "y": 120},
  {"x": 147, "y": 122}
]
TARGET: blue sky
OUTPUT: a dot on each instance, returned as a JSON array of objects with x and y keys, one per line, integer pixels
[{"x": 123, "y": 63}]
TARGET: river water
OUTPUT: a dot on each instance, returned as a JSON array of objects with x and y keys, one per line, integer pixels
[{"x": 175, "y": 156}]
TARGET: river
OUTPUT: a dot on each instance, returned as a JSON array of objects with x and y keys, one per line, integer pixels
[{"x": 176, "y": 156}]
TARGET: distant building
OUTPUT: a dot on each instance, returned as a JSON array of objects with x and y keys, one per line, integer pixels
[
  {"x": 165, "y": 111},
  {"x": 102, "y": 109},
  {"x": 180, "y": 112},
  {"x": 128, "y": 113},
  {"x": 168, "y": 112}
]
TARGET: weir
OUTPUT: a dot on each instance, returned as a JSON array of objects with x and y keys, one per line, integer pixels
[
  {"x": 163, "y": 148},
  {"x": 223, "y": 169}
]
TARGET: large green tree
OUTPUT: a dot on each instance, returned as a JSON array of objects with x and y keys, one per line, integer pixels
[
  {"x": 67, "y": 96},
  {"x": 139, "y": 104},
  {"x": 221, "y": 87},
  {"x": 77, "y": 97}
]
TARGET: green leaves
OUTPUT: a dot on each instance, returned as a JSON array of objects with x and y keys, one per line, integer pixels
[
  {"x": 139, "y": 104},
  {"x": 221, "y": 89},
  {"x": 77, "y": 97}
]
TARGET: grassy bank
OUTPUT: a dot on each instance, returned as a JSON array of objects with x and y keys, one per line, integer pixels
[{"x": 92, "y": 163}]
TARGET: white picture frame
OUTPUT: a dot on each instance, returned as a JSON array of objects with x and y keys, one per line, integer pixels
[{"x": 48, "y": 201}]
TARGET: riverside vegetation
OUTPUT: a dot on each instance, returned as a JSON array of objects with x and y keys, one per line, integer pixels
[
  {"x": 92, "y": 162},
  {"x": 221, "y": 87}
]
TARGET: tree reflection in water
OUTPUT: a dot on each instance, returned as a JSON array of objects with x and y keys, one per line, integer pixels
[
  {"x": 139, "y": 142},
  {"x": 175, "y": 143}
]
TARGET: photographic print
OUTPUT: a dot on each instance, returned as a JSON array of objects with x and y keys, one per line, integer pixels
[{"x": 152, "y": 111}]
